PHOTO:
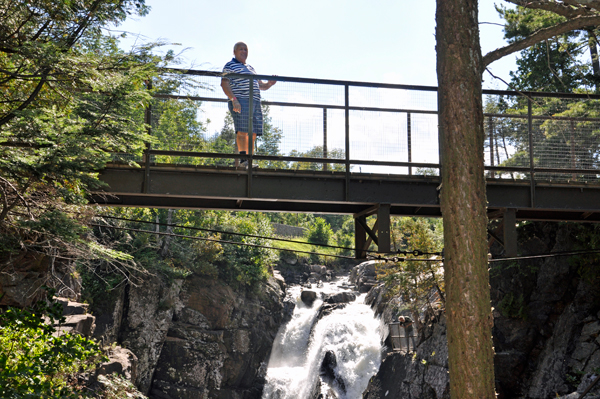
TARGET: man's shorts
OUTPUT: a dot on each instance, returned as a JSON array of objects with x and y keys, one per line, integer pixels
[{"x": 240, "y": 119}]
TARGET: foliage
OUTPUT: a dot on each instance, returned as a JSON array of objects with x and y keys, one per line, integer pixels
[
  {"x": 553, "y": 65},
  {"x": 37, "y": 362},
  {"x": 419, "y": 283},
  {"x": 197, "y": 250},
  {"x": 269, "y": 142},
  {"x": 318, "y": 152},
  {"x": 70, "y": 99},
  {"x": 320, "y": 232},
  {"x": 558, "y": 64},
  {"x": 513, "y": 306},
  {"x": 587, "y": 236}
]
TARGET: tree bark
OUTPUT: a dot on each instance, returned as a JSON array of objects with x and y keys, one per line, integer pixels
[{"x": 463, "y": 200}]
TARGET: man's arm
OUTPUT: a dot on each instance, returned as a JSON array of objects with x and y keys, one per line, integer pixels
[{"x": 229, "y": 93}]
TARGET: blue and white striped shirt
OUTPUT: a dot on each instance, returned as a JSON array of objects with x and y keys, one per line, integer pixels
[{"x": 239, "y": 86}]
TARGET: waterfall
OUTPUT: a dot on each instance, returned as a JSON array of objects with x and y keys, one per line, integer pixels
[{"x": 348, "y": 337}]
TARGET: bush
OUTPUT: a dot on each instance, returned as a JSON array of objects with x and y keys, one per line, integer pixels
[
  {"x": 319, "y": 232},
  {"x": 34, "y": 363}
]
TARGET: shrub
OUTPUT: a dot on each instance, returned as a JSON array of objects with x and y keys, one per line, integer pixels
[
  {"x": 34, "y": 362},
  {"x": 319, "y": 232}
]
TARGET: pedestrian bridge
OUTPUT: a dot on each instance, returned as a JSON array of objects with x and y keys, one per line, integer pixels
[{"x": 359, "y": 148}]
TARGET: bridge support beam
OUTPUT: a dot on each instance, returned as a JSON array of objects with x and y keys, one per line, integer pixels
[{"x": 379, "y": 233}]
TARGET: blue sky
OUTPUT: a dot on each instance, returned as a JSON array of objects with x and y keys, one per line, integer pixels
[{"x": 379, "y": 41}]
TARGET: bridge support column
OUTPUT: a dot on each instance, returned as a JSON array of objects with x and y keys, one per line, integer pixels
[
  {"x": 379, "y": 234},
  {"x": 509, "y": 221}
]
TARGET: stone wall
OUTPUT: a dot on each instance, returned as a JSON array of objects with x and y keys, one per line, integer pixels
[{"x": 288, "y": 231}]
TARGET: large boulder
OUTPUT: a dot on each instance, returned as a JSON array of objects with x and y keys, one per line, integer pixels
[
  {"x": 308, "y": 297},
  {"x": 341, "y": 297}
]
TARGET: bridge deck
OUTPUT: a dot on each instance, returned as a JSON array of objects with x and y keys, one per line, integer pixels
[{"x": 268, "y": 190}]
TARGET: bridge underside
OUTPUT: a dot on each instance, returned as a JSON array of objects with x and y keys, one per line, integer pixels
[
  {"x": 329, "y": 192},
  {"x": 360, "y": 195}
]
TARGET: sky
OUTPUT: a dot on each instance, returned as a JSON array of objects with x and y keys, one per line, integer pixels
[{"x": 380, "y": 41}]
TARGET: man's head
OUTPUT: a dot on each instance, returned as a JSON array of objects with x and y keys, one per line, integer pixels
[
  {"x": 240, "y": 51},
  {"x": 401, "y": 319}
]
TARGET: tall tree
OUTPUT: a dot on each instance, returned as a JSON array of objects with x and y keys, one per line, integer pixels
[
  {"x": 460, "y": 66},
  {"x": 69, "y": 98}
]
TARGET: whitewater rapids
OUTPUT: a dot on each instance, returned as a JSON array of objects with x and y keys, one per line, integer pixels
[{"x": 351, "y": 333}]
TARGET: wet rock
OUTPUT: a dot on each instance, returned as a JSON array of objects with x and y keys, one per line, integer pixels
[
  {"x": 364, "y": 276},
  {"x": 150, "y": 309},
  {"x": 342, "y": 297},
  {"x": 318, "y": 269},
  {"x": 327, "y": 308},
  {"x": 328, "y": 371},
  {"x": 308, "y": 297}
]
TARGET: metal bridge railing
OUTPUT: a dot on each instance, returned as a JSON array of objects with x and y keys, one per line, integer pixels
[
  {"x": 359, "y": 127},
  {"x": 400, "y": 340}
]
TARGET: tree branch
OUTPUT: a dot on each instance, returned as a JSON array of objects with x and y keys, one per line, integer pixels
[
  {"x": 540, "y": 35},
  {"x": 557, "y": 8}
]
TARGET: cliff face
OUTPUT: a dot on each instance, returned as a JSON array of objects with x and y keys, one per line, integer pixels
[
  {"x": 546, "y": 326},
  {"x": 197, "y": 338},
  {"x": 422, "y": 374},
  {"x": 546, "y": 315}
]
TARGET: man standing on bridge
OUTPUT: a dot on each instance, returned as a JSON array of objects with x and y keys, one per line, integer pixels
[{"x": 237, "y": 91}]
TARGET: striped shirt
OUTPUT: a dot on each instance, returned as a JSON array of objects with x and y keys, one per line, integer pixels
[{"x": 241, "y": 87}]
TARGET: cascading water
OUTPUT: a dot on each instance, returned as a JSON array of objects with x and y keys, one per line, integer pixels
[{"x": 348, "y": 339}]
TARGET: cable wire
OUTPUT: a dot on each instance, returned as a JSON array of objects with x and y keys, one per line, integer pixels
[
  {"x": 549, "y": 255},
  {"x": 219, "y": 241},
  {"x": 228, "y": 232},
  {"x": 415, "y": 252}
]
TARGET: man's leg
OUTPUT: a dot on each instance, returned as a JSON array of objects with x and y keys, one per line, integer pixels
[
  {"x": 242, "y": 143},
  {"x": 241, "y": 140}
]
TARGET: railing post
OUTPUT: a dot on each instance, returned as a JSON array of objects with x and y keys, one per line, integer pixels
[
  {"x": 347, "y": 133},
  {"x": 325, "y": 154},
  {"x": 148, "y": 121},
  {"x": 409, "y": 140},
  {"x": 531, "y": 160},
  {"x": 250, "y": 134}
]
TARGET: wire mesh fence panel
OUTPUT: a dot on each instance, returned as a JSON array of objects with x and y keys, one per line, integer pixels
[
  {"x": 566, "y": 144},
  {"x": 425, "y": 142},
  {"x": 378, "y": 136},
  {"x": 506, "y": 145},
  {"x": 393, "y": 98},
  {"x": 390, "y": 123}
]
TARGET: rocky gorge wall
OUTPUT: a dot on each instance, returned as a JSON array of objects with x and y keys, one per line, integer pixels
[
  {"x": 546, "y": 326},
  {"x": 197, "y": 338}
]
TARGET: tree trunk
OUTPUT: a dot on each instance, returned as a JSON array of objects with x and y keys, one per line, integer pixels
[
  {"x": 463, "y": 200},
  {"x": 594, "y": 55}
]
